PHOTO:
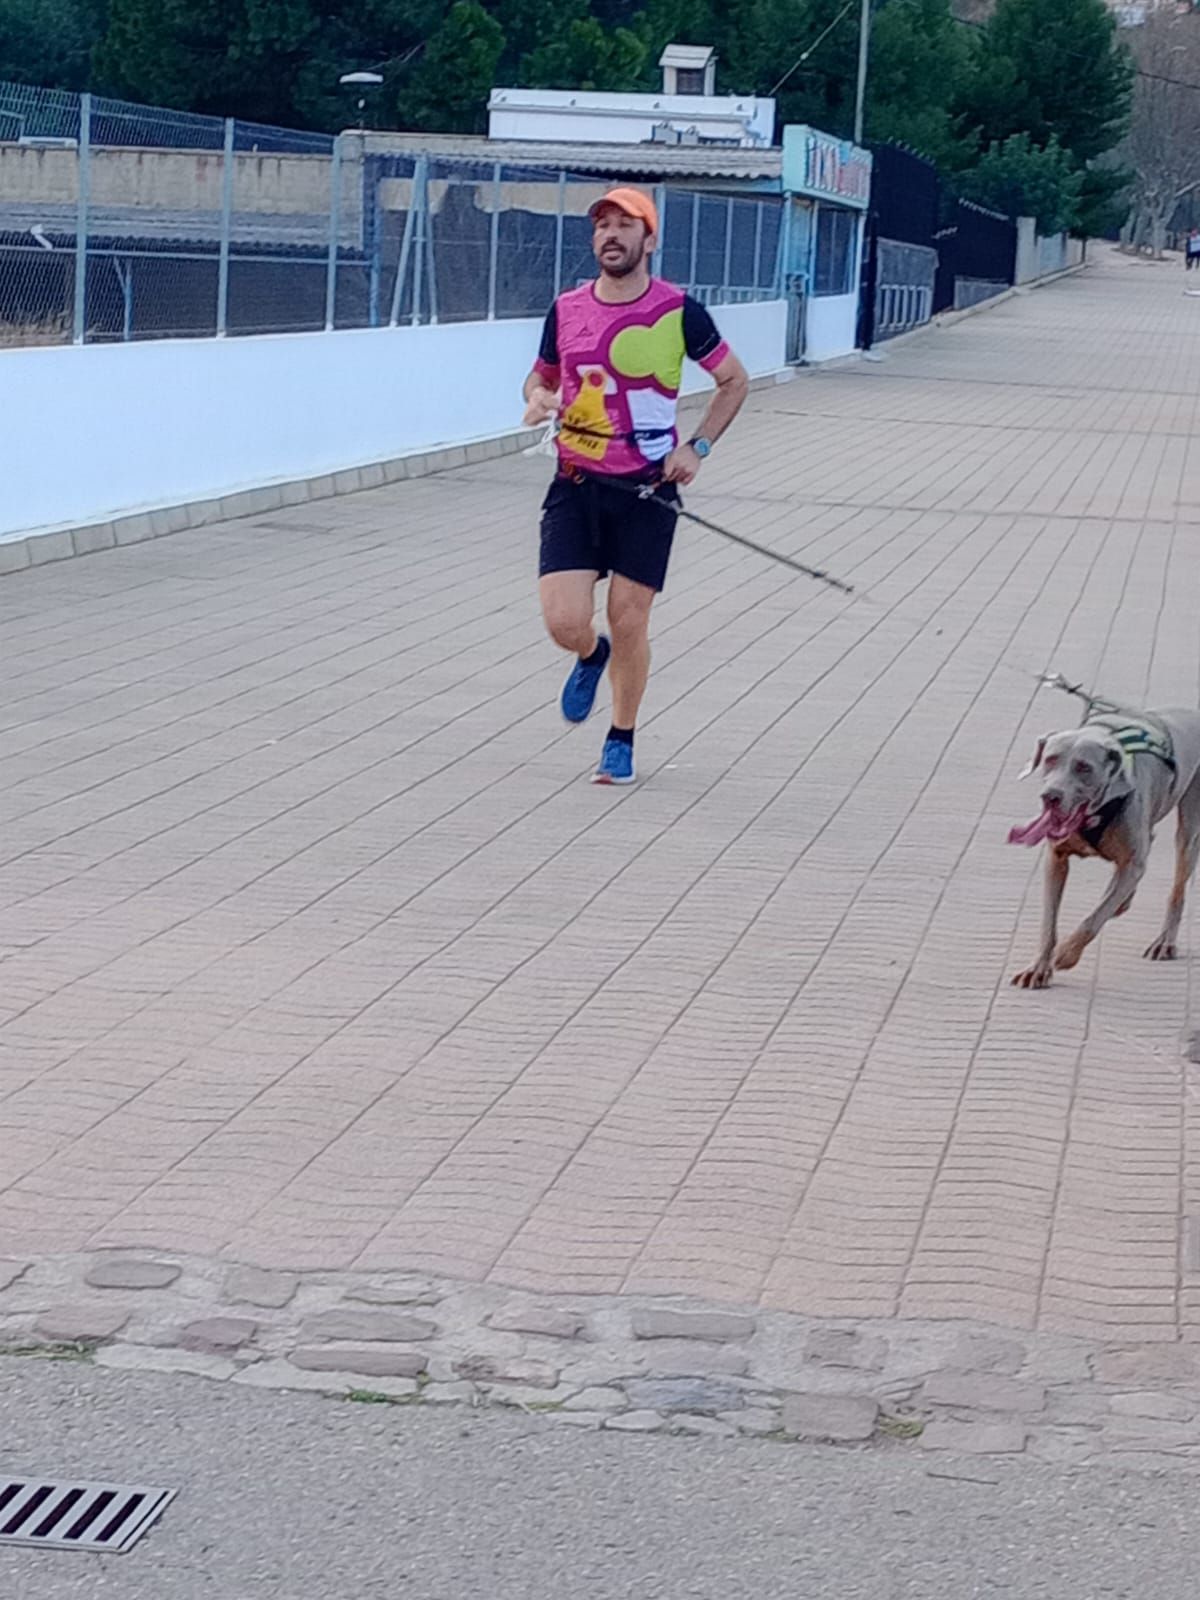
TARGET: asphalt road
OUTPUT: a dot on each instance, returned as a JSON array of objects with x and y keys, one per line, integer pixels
[{"x": 295, "y": 1497}]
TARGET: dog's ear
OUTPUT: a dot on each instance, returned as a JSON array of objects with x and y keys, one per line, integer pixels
[{"x": 1036, "y": 762}]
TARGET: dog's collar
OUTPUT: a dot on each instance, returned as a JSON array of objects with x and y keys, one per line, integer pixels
[
  {"x": 1103, "y": 821},
  {"x": 1137, "y": 739}
]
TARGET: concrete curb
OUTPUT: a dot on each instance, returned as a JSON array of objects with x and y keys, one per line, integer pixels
[
  {"x": 950, "y": 319},
  {"x": 61, "y": 544}
]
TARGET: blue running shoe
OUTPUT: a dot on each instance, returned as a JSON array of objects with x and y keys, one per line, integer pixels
[
  {"x": 616, "y": 763},
  {"x": 579, "y": 691}
]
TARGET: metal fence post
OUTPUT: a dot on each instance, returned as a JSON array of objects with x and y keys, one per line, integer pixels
[
  {"x": 758, "y": 221},
  {"x": 660, "y": 205},
  {"x": 420, "y": 223},
  {"x": 695, "y": 241},
  {"x": 783, "y": 247},
  {"x": 79, "y": 330},
  {"x": 558, "y": 233},
  {"x": 417, "y": 186},
  {"x": 124, "y": 272},
  {"x": 494, "y": 243},
  {"x": 226, "y": 229},
  {"x": 430, "y": 256},
  {"x": 376, "y": 238},
  {"x": 335, "y": 228},
  {"x": 728, "y": 241}
]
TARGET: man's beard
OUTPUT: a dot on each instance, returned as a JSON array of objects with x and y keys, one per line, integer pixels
[{"x": 622, "y": 266}]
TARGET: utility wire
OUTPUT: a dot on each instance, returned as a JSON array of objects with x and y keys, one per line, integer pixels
[
  {"x": 804, "y": 54},
  {"x": 1158, "y": 77}
]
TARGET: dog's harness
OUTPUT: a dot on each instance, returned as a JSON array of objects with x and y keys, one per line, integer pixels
[
  {"x": 1137, "y": 739},
  {"x": 1144, "y": 736}
]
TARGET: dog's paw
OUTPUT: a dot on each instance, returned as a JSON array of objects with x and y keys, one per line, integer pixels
[
  {"x": 1161, "y": 950},
  {"x": 1069, "y": 952},
  {"x": 1036, "y": 977}
]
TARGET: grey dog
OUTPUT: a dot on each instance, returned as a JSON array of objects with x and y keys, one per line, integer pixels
[{"x": 1108, "y": 784}]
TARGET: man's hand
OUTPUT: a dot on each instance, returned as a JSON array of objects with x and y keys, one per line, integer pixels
[
  {"x": 681, "y": 466},
  {"x": 541, "y": 405}
]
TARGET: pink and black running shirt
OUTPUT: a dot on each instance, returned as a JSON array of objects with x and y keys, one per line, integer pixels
[{"x": 620, "y": 367}]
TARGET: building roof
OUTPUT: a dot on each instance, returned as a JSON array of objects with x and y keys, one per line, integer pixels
[
  {"x": 696, "y": 56},
  {"x": 629, "y": 160}
]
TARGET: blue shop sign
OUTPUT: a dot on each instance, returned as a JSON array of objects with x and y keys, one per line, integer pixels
[{"x": 826, "y": 168}]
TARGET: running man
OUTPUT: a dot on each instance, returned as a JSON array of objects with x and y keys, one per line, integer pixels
[{"x": 610, "y": 365}]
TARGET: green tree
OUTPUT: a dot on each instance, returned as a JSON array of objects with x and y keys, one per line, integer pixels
[
  {"x": 920, "y": 58},
  {"x": 1104, "y": 201},
  {"x": 48, "y": 42},
  {"x": 805, "y": 52},
  {"x": 275, "y": 61},
  {"x": 388, "y": 35},
  {"x": 1022, "y": 181},
  {"x": 588, "y": 57},
  {"x": 457, "y": 70},
  {"x": 530, "y": 24},
  {"x": 236, "y": 58},
  {"x": 1053, "y": 69}
]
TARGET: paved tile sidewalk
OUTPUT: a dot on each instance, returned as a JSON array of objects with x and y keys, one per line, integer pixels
[{"x": 316, "y": 950}]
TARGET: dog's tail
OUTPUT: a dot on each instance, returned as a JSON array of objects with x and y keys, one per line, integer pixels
[{"x": 1091, "y": 702}]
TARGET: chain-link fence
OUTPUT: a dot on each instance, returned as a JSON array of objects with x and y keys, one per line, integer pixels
[{"x": 120, "y": 222}]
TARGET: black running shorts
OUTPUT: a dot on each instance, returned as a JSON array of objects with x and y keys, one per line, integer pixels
[{"x": 595, "y": 526}]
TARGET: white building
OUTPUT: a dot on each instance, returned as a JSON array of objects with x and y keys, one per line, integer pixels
[{"x": 686, "y": 112}]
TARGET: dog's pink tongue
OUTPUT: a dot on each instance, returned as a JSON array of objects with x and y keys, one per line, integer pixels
[
  {"x": 1033, "y": 832},
  {"x": 1050, "y": 825}
]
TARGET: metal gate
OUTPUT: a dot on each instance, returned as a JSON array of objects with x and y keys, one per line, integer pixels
[
  {"x": 977, "y": 256},
  {"x": 900, "y": 256}
]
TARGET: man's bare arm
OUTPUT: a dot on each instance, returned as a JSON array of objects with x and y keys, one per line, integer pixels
[{"x": 733, "y": 385}]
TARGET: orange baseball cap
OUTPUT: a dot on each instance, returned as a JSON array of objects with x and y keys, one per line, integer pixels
[{"x": 633, "y": 203}]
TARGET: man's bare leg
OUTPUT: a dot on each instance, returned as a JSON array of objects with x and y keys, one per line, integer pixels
[
  {"x": 629, "y": 618},
  {"x": 568, "y": 608}
]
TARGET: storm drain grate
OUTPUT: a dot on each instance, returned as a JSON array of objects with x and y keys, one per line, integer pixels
[{"x": 61, "y": 1514}]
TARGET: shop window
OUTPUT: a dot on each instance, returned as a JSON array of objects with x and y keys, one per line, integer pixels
[{"x": 837, "y": 244}]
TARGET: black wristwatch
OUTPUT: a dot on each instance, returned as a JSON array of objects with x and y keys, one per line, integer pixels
[{"x": 702, "y": 446}]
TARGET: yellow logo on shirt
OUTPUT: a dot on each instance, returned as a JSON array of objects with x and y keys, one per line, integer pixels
[{"x": 587, "y": 411}]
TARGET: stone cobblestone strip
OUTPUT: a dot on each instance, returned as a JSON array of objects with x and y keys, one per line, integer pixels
[
  {"x": 365, "y": 1325},
  {"x": 80, "y": 1324},
  {"x": 132, "y": 1274},
  {"x": 371, "y": 1361},
  {"x": 218, "y": 1335},
  {"x": 607, "y": 1362},
  {"x": 714, "y": 1326}
]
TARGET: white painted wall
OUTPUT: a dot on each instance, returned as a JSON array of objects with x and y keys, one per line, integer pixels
[
  {"x": 1042, "y": 255},
  {"x": 830, "y": 326},
  {"x": 1027, "y": 265},
  {"x": 103, "y": 431}
]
